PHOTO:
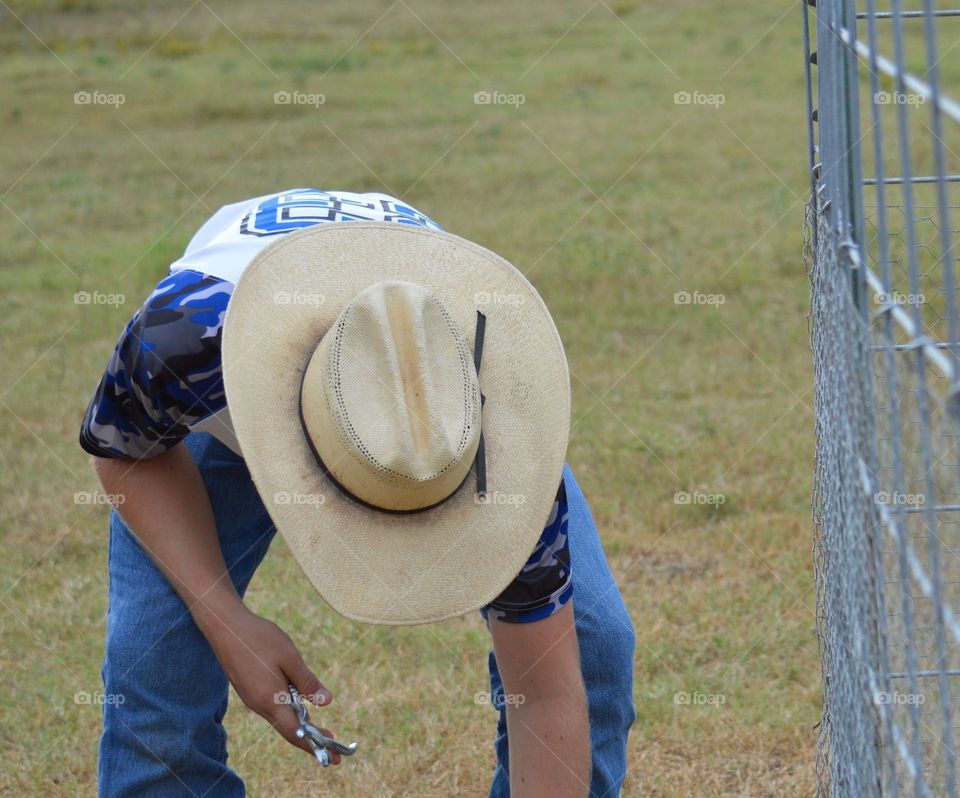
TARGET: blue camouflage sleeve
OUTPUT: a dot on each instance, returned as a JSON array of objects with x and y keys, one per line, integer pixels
[
  {"x": 165, "y": 372},
  {"x": 545, "y": 583}
]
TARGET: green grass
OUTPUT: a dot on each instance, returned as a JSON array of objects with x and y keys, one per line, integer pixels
[{"x": 667, "y": 397}]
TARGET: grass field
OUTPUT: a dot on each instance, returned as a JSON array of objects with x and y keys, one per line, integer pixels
[{"x": 611, "y": 193}]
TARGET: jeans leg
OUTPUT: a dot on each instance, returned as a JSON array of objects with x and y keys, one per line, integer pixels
[
  {"x": 166, "y": 692},
  {"x": 606, "y": 639},
  {"x": 500, "y": 786}
]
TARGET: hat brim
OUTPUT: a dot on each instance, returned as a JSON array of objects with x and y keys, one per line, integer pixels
[{"x": 379, "y": 567}]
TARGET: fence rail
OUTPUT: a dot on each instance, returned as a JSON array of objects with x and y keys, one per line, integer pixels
[{"x": 884, "y": 138}]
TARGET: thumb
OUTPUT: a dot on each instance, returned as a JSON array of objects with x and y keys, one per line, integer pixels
[{"x": 306, "y": 681}]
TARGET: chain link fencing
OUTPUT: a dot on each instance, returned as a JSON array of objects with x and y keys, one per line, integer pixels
[{"x": 880, "y": 229}]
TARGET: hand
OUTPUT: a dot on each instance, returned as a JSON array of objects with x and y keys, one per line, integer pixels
[{"x": 260, "y": 660}]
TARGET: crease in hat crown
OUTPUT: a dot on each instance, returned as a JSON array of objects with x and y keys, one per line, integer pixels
[{"x": 390, "y": 399}]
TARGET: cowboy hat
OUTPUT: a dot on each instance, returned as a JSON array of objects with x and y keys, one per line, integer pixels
[{"x": 402, "y": 401}]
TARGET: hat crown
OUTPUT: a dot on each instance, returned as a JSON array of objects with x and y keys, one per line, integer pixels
[{"x": 391, "y": 398}]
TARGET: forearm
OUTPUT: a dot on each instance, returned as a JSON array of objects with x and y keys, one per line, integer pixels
[
  {"x": 548, "y": 726},
  {"x": 166, "y": 505},
  {"x": 550, "y": 752}
]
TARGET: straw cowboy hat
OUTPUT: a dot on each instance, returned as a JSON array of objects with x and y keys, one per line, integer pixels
[{"x": 402, "y": 400}]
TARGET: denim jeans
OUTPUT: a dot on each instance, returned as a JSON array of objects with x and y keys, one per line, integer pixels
[{"x": 166, "y": 738}]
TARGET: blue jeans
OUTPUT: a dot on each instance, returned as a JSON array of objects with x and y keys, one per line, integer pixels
[{"x": 166, "y": 694}]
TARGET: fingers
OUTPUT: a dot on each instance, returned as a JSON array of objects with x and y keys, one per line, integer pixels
[
  {"x": 289, "y": 732},
  {"x": 285, "y": 722},
  {"x": 306, "y": 681},
  {"x": 314, "y": 691},
  {"x": 334, "y": 757}
]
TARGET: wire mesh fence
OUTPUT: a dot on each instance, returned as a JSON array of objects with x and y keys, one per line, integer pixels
[{"x": 881, "y": 229}]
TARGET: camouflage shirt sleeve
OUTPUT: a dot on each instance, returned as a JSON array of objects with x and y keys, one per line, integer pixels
[
  {"x": 545, "y": 583},
  {"x": 165, "y": 371}
]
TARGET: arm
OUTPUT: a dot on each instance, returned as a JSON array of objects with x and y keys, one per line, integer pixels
[
  {"x": 166, "y": 504},
  {"x": 133, "y": 426},
  {"x": 547, "y": 722}
]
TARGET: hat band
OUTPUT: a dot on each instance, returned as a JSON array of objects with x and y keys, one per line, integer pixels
[
  {"x": 480, "y": 460},
  {"x": 481, "y": 456}
]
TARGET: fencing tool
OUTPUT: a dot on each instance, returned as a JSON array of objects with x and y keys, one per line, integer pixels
[{"x": 319, "y": 742}]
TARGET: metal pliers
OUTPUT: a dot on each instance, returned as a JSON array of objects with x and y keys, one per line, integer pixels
[{"x": 319, "y": 742}]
